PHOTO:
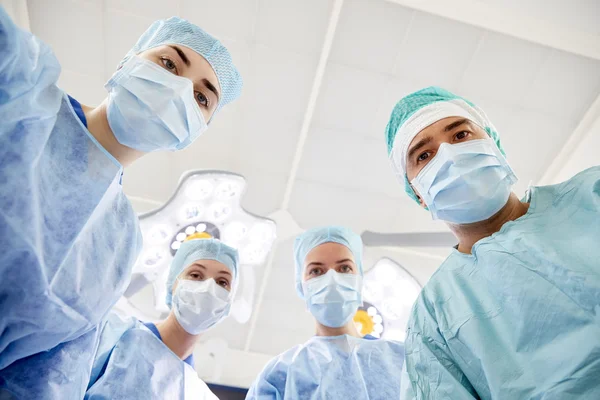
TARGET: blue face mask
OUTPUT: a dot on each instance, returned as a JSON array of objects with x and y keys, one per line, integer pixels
[
  {"x": 151, "y": 109},
  {"x": 333, "y": 298},
  {"x": 466, "y": 182}
]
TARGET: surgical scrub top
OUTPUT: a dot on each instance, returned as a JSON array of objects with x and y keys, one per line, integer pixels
[
  {"x": 519, "y": 318},
  {"x": 68, "y": 235},
  {"x": 132, "y": 362},
  {"x": 154, "y": 329},
  {"x": 333, "y": 367}
]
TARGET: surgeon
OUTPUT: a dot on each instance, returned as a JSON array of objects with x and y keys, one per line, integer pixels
[
  {"x": 138, "y": 360},
  {"x": 68, "y": 235},
  {"x": 513, "y": 312},
  {"x": 337, "y": 363}
]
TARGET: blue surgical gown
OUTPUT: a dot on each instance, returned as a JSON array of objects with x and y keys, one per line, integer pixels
[
  {"x": 519, "y": 318},
  {"x": 68, "y": 235},
  {"x": 133, "y": 363},
  {"x": 336, "y": 367}
]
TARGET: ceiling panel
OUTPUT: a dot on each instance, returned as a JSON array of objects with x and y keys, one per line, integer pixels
[
  {"x": 348, "y": 98},
  {"x": 300, "y": 25},
  {"x": 318, "y": 204},
  {"x": 58, "y": 23},
  {"x": 369, "y": 34},
  {"x": 502, "y": 67},
  {"x": 345, "y": 159},
  {"x": 566, "y": 85},
  {"x": 437, "y": 50},
  {"x": 225, "y": 19},
  {"x": 87, "y": 89},
  {"x": 155, "y": 9},
  {"x": 581, "y": 15}
]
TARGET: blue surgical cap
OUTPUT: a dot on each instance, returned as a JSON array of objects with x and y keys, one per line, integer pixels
[
  {"x": 181, "y": 32},
  {"x": 312, "y": 238},
  {"x": 202, "y": 249},
  {"x": 418, "y": 110}
]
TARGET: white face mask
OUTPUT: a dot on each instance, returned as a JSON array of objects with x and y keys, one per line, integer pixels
[{"x": 200, "y": 305}]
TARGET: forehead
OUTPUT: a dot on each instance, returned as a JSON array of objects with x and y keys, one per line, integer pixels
[
  {"x": 438, "y": 128},
  {"x": 327, "y": 252},
  {"x": 211, "y": 266}
]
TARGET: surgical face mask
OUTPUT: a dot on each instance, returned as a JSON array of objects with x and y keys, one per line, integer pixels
[
  {"x": 333, "y": 298},
  {"x": 151, "y": 109},
  {"x": 200, "y": 305},
  {"x": 466, "y": 182}
]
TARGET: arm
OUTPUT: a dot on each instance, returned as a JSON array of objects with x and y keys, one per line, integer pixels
[
  {"x": 270, "y": 384},
  {"x": 27, "y": 66},
  {"x": 431, "y": 372}
]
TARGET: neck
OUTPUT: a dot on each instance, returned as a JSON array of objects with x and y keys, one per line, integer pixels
[
  {"x": 176, "y": 338},
  {"x": 97, "y": 120},
  {"x": 348, "y": 329},
  {"x": 469, "y": 234}
]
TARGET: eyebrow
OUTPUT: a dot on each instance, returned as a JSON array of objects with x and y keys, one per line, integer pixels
[
  {"x": 211, "y": 87},
  {"x": 181, "y": 54},
  {"x": 319, "y": 264},
  {"x": 196, "y": 264},
  {"x": 344, "y": 260},
  {"x": 455, "y": 124},
  {"x": 420, "y": 144}
]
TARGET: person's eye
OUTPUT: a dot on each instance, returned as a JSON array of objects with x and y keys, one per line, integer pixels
[
  {"x": 223, "y": 282},
  {"x": 196, "y": 275},
  {"x": 423, "y": 156},
  {"x": 169, "y": 65},
  {"x": 345, "y": 269},
  {"x": 461, "y": 135},
  {"x": 202, "y": 99},
  {"x": 315, "y": 272}
]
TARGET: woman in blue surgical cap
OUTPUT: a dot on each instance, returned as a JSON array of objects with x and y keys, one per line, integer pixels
[
  {"x": 68, "y": 235},
  {"x": 337, "y": 363},
  {"x": 138, "y": 360}
]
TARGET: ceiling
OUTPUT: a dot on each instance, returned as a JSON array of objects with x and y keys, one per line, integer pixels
[{"x": 321, "y": 77}]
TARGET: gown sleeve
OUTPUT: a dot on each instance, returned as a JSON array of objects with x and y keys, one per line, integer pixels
[{"x": 431, "y": 372}]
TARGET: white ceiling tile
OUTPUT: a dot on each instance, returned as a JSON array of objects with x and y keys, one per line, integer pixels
[
  {"x": 279, "y": 85},
  {"x": 58, "y": 23},
  {"x": 566, "y": 85},
  {"x": 317, "y": 204},
  {"x": 349, "y": 161},
  {"x": 293, "y": 25},
  {"x": 88, "y": 90},
  {"x": 330, "y": 158},
  {"x": 374, "y": 172},
  {"x": 265, "y": 189},
  {"x": 437, "y": 51},
  {"x": 155, "y": 9},
  {"x": 225, "y": 19},
  {"x": 580, "y": 15},
  {"x": 348, "y": 98},
  {"x": 502, "y": 67},
  {"x": 122, "y": 32},
  {"x": 369, "y": 34}
]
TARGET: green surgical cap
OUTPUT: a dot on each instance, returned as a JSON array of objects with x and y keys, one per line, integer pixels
[{"x": 419, "y": 110}]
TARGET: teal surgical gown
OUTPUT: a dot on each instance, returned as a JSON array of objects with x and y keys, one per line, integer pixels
[
  {"x": 338, "y": 367},
  {"x": 519, "y": 318},
  {"x": 68, "y": 235}
]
